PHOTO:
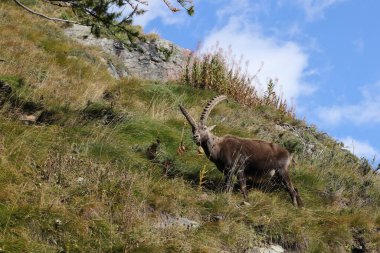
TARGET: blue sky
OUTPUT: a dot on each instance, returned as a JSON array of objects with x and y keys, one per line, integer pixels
[{"x": 324, "y": 53}]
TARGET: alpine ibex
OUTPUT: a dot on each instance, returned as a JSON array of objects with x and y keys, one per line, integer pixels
[{"x": 256, "y": 159}]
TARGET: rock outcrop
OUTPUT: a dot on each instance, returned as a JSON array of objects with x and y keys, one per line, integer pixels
[
  {"x": 155, "y": 59},
  {"x": 269, "y": 249},
  {"x": 167, "y": 220}
]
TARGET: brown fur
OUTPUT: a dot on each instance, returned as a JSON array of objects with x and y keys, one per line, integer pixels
[{"x": 247, "y": 158}]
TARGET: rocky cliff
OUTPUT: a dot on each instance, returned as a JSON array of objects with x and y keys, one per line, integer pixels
[{"x": 155, "y": 59}]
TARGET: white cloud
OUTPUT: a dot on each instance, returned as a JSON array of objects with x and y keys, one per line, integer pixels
[
  {"x": 360, "y": 148},
  {"x": 283, "y": 60},
  {"x": 367, "y": 110},
  {"x": 315, "y": 8}
]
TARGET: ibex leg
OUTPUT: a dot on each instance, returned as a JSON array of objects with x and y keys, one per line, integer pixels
[{"x": 289, "y": 186}]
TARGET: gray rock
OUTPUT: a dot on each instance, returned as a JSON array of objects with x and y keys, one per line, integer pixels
[
  {"x": 81, "y": 180},
  {"x": 112, "y": 70},
  {"x": 28, "y": 119},
  {"x": 58, "y": 223},
  {"x": 159, "y": 60},
  {"x": 245, "y": 203},
  {"x": 167, "y": 220},
  {"x": 273, "y": 248}
]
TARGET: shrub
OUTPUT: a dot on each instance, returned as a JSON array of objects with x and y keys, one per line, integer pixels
[
  {"x": 364, "y": 166},
  {"x": 220, "y": 72}
]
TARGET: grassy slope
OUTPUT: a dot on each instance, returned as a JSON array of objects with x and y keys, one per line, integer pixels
[{"x": 80, "y": 185}]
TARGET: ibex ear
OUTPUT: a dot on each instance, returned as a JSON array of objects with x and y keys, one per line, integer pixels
[{"x": 211, "y": 128}]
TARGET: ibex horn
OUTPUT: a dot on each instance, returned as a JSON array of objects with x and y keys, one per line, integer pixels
[
  {"x": 188, "y": 117},
  {"x": 210, "y": 105}
]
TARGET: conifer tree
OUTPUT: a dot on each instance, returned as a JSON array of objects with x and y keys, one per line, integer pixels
[{"x": 114, "y": 15}]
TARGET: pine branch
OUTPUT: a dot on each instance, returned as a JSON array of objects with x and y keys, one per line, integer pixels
[
  {"x": 42, "y": 15},
  {"x": 170, "y": 6}
]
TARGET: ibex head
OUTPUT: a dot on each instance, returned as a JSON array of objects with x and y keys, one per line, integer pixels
[{"x": 201, "y": 132}]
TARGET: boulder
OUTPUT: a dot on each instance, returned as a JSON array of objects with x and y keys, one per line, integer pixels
[{"x": 156, "y": 59}]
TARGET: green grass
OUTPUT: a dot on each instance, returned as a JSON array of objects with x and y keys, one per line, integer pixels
[{"x": 82, "y": 183}]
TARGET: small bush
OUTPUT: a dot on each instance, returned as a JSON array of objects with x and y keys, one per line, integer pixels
[
  {"x": 364, "y": 166},
  {"x": 293, "y": 145},
  {"x": 220, "y": 72}
]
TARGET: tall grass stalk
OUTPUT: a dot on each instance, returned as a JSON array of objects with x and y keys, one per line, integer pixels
[{"x": 219, "y": 71}]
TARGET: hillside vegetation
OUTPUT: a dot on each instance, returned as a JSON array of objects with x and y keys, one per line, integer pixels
[{"x": 76, "y": 176}]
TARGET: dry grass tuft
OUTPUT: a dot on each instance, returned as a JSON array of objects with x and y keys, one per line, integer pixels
[
  {"x": 220, "y": 72},
  {"x": 81, "y": 186},
  {"x": 59, "y": 70}
]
